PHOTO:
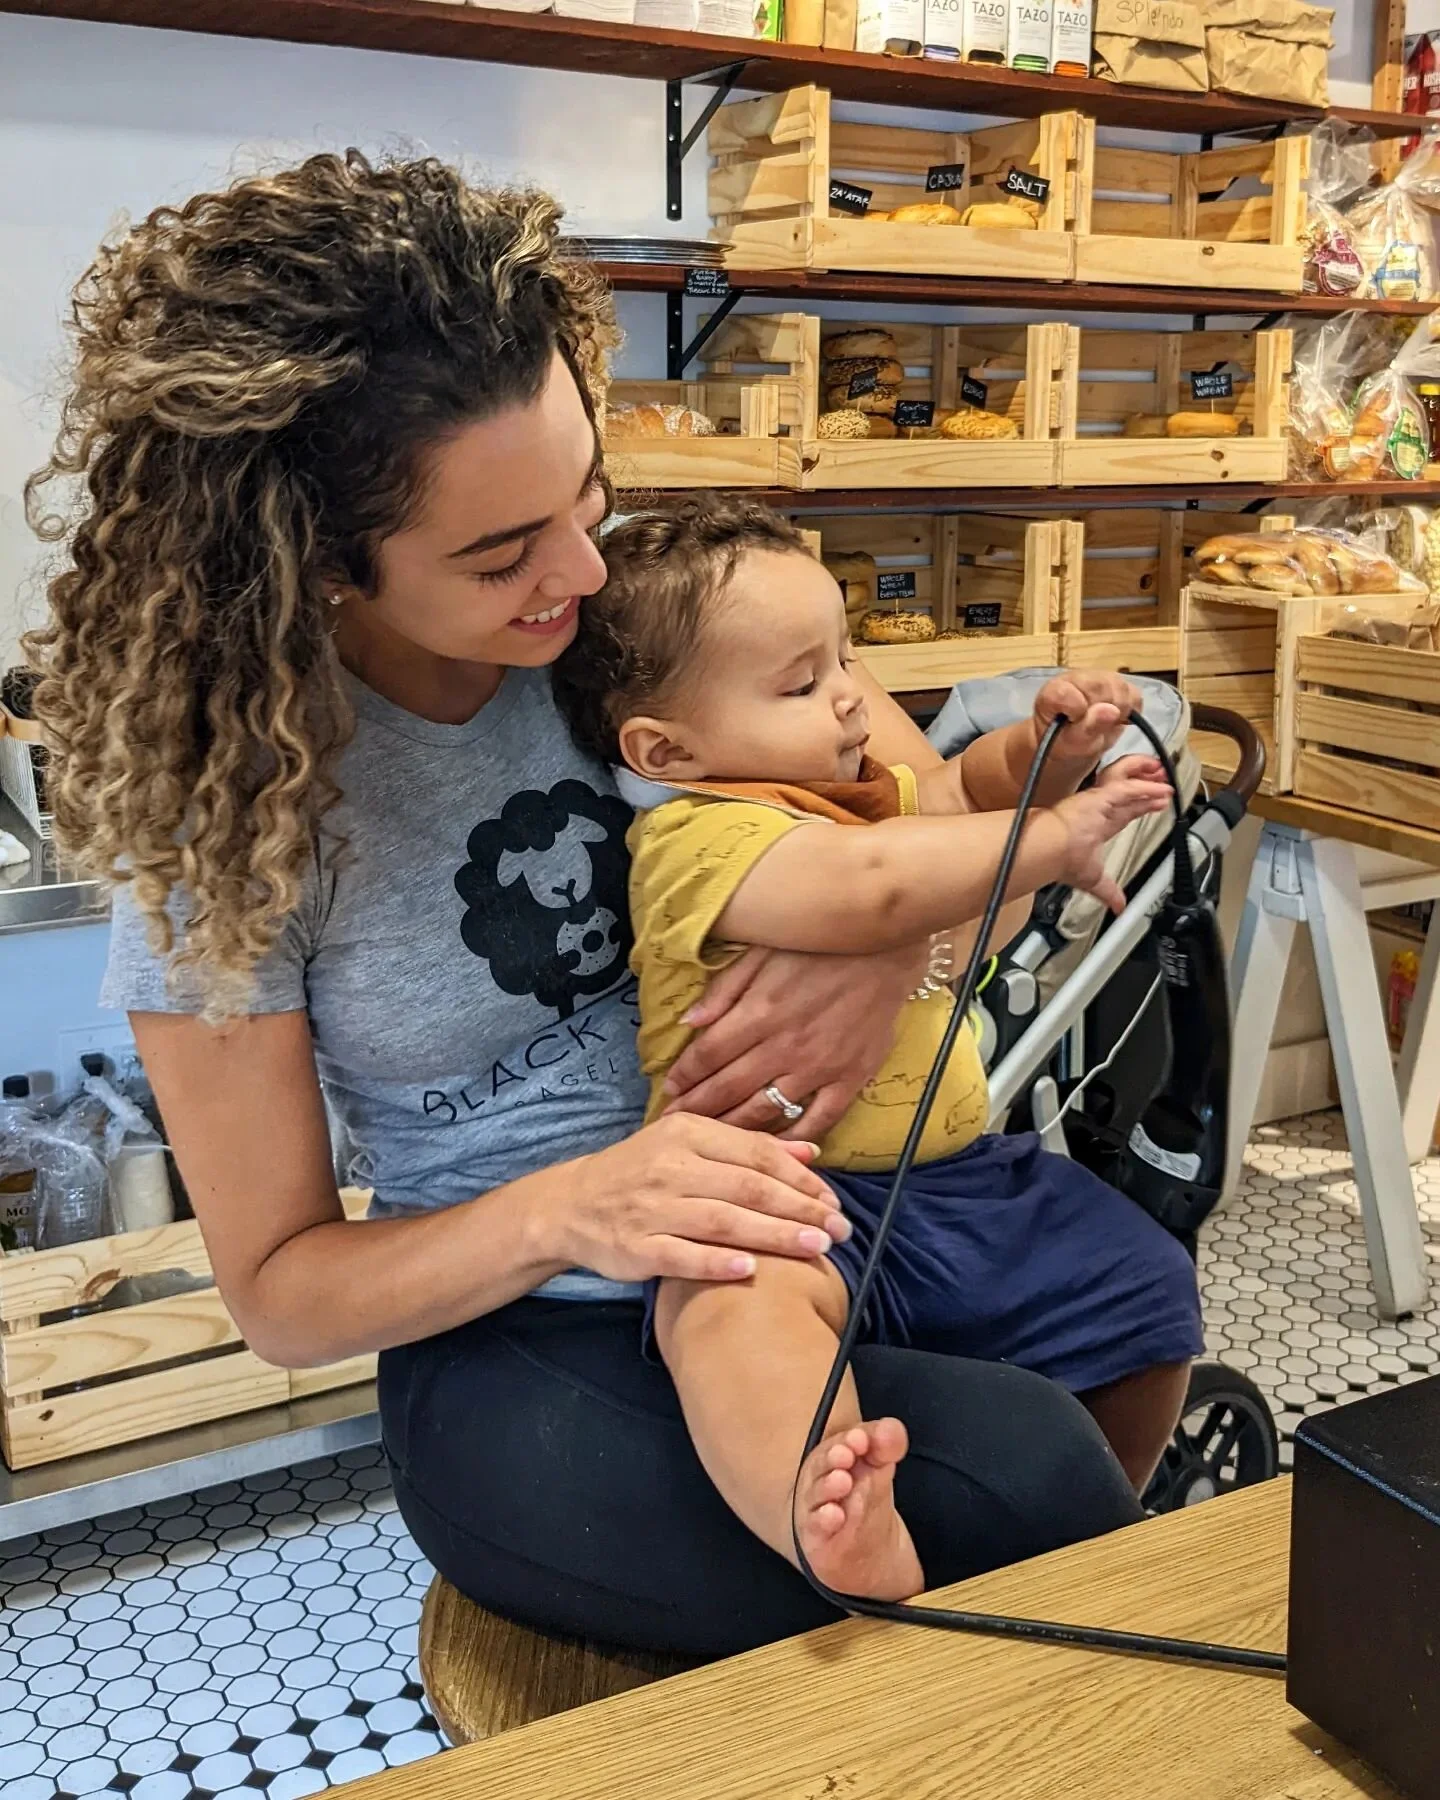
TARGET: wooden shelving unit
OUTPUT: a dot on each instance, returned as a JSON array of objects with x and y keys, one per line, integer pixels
[
  {"x": 1046, "y": 500},
  {"x": 943, "y": 290},
  {"x": 539, "y": 40}
]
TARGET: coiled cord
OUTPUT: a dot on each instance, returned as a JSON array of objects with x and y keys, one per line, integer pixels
[{"x": 1089, "y": 1637}]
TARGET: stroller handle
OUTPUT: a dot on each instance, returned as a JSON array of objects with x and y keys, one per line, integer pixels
[{"x": 1251, "y": 770}]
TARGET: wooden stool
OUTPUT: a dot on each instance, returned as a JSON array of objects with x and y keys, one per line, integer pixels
[{"x": 483, "y": 1675}]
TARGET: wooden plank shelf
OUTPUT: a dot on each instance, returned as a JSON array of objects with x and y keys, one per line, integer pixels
[
  {"x": 540, "y": 40},
  {"x": 1068, "y": 297},
  {"x": 1051, "y": 499}
]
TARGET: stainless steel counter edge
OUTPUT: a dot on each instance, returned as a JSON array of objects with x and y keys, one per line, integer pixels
[{"x": 43, "y": 894}]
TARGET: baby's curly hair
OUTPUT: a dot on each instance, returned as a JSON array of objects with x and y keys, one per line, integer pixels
[
  {"x": 258, "y": 375},
  {"x": 642, "y": 633}
]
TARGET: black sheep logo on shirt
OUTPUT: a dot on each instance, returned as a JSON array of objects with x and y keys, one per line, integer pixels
[{"x": 545, "y": 894}]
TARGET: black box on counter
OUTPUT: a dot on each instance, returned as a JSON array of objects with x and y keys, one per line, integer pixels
[{"x": 1364, "y": 1650}]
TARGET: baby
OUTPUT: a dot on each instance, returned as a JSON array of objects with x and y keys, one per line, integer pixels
[{"x": 715, "y": 671}]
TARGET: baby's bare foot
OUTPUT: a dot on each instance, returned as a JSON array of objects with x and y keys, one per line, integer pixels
[{"x": 845, "y": 1515}]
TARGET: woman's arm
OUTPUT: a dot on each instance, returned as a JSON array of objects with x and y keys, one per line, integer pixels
[
  {"x": 894, "y": 735},
  {"x": 243, "y": 1109}
]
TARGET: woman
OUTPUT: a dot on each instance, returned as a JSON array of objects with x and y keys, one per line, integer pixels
[{"x": 336, "y": 430}]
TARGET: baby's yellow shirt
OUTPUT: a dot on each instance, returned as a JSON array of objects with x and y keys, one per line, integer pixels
[{"x": 690, "y": 855}]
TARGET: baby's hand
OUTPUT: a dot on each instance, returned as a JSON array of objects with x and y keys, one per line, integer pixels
[
  {"x": 1128, "y": 768},
  {"x": 1097, "y": 705},
  {"x": 1091, "y": 819}
]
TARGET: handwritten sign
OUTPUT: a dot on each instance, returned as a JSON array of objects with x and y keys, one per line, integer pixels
[
  {"x": 1025, "y": 186},
  {"x": 845, "y": 197}
]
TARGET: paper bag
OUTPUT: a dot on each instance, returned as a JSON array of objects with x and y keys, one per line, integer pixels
[
  {"x": 1270, "y": 49},
  {"x": 1152, "y": 43}
]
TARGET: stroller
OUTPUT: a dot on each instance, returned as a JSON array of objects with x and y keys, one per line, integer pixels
[{"x": 1075, "y": 1029}]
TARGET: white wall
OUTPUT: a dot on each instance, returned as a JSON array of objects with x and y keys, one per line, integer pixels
[{"x": 97, "y": 121}]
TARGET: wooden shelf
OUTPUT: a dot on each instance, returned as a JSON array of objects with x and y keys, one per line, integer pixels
[
  {"x": 945, "y": 290},
  {"x": 1056, "y": 500},
  {"x": 539, "y": 40}
]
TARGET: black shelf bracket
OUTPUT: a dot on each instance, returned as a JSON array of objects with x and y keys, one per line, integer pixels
[
  {"x": 678, "y": 354},
  {"x": 679, "y": 142}
]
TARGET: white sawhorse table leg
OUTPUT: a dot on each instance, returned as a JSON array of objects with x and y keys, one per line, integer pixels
[{"x": 1299, "y": 878}]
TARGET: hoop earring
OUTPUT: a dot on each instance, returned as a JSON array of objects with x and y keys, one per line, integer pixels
[{"x": 337, "y": 599}]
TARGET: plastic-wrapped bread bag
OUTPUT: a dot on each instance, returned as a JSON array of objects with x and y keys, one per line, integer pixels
[
  {"x": 1393, "y": 231},
  {"x": 1339, "y": 169}
]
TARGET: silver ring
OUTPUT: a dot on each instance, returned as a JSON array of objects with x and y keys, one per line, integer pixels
[{"x": 789, "y": 1111}]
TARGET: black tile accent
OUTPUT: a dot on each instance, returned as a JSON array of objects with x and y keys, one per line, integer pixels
[
  {"x": 429, "y": 1724},
  {"x": 412, "y": 1690},
  {"x": 258, "y": 1778},
  {"x": 184, "y": 1763},
  {"x": 318, "y": 1759},
  {"x": 374, "y": 1740},
  {"x": 357, "y": 1709},
  {"x": 123, "y": 1783},
  {"x": 245, "y": 1745}
]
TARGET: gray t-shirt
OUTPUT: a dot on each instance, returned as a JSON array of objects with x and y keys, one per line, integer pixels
[{"x": 461, "y": 949}]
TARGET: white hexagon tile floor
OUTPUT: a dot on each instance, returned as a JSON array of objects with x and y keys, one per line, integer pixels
[
  {"x": 260, "y": 1639},
  {"x": 1286, "y": 1282},
  {"x": 255, "y": 1639}
]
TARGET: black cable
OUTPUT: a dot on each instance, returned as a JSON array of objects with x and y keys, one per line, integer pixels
[{"x": 1089, "y": 1637}]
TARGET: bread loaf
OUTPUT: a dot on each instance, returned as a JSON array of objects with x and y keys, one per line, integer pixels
[
  {"x": 843, "y": 423},
  {"x": 935, "y": 212},
  {"x": 841, "y": 369},
  {"x": 871, "y": 341},
  {"x": 1202, "y": 425},
  {"x": 881, "y": 427},
  {"x": 996, "y": 215},
  {"x": 970, "y": 422},
  {"x": 880, "y": 399},
  {"x": 1146, "y": 425},
  {"x": 857, "y": 575},
  {"x": 1299, "y": 562},
  {"x": 895, "y": 628},
  {"x": 653, "y": 420}
]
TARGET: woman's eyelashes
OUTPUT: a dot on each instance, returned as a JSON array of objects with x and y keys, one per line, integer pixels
[{"x": 512, "y": 571}]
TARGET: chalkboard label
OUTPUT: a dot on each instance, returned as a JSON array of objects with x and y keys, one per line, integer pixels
[
  {"x": 845, "y": 197},
  {"x": 973, "y": 392},
  {"x": 899, "y": 585},
  {"x": 707, "y": 284},
  {"x": 864, "y": 381},
  {"x": 914, "y": 412},
  {"x": 1211, "y": 384},
  {"x": 943, "y": 178},
  {"x": 1026, "y": 187},
  {"x": 982, "y": 617}
]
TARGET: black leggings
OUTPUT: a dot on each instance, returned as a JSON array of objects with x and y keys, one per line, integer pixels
[{"x": 544, "y": 1468}]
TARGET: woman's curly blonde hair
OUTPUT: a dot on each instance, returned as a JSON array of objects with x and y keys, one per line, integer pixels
[{"x": 258, "y": 375}]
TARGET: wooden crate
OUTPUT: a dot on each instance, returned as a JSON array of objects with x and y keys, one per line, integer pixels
[
  {"x": 964, "y": 560},
  {"x": 1353, "y": 716},
  {"x": 1019, "y": 365},
  {"x": 1108, "y": 377},
  {"x": 1195, "y": 220},
  {"x": 775, "y": 158},
  {"x": 69, "y": 1384},
  {"x": 753, "y": 447},
  {"x": 1239, "y": 649},
  {"x": 1136, "y": 563}
]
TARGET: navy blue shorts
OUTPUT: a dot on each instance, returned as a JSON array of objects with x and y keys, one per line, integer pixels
[{"x": 1006, "y": 1253}]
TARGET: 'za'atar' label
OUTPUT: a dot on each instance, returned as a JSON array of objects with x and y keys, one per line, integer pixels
[
  {"x": 863, "y": 382},
  {"x": 707, "y": 284},
  {"x": 898, "y": 585},
  {"x": 943, "y": 178},
  {"x": 984, "y": 616},
  {"x": 1211, "y": 384},
  {"x": 914, "y": 412},
  {"x": 1025, "y": 186},
  {"x": 973, "y": 392},
  {"x": 845, "y": 197}
]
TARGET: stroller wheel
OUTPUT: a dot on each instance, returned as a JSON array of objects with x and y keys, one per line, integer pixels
[{"x": 1226, "y": 1439}]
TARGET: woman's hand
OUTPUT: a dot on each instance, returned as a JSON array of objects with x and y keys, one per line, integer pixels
[
  {"x": 693, "y": 1198},
  {"x": 815, "y": 1027}
]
